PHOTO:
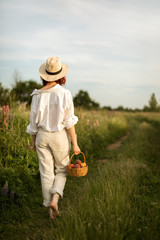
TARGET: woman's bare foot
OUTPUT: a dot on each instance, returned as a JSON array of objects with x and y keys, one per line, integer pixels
[
  {"x": 51, "y": 213},
  {"x": 54, "y": 205}
]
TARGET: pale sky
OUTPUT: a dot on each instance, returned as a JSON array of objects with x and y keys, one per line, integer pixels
[{"x": 112, "y": 47}]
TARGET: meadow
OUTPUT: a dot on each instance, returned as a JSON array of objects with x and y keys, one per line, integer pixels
[{"x": 118, "y": 198}]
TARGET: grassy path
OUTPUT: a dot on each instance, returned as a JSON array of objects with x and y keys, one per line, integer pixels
[{"x": 118, "y": 199}]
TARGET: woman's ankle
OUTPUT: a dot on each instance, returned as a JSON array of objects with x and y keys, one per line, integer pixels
[{"x": 56, "y": 196}]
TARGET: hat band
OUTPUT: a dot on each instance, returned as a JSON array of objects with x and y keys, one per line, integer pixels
[{"x": 55, "y": 73}]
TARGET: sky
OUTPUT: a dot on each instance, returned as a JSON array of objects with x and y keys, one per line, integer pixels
[{"x": 112, "y": 47}]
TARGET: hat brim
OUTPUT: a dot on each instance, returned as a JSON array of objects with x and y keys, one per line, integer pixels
[{"x": 50, "y": 78}]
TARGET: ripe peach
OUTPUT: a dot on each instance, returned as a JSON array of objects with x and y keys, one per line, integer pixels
[
  {"x": 78, "y": 162},
  {"x": 71, "y": 165},
  {"x": 77, "y": 166}
]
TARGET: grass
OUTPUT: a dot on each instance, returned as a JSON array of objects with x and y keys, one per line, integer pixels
[{"x": 118, "y": 199}]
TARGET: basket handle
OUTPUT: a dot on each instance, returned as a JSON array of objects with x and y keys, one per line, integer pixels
[{"x": 77, "y": 154}]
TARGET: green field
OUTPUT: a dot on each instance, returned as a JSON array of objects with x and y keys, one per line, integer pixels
[{"x": 118, "y": 199}]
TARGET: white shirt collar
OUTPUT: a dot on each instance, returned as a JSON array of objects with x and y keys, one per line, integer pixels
[{"x": 39, "y": 91}]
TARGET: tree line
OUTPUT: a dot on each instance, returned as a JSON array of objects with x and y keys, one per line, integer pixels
[{"x": 21, "y": 91}]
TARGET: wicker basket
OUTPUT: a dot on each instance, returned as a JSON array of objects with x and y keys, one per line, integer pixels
[{"x": 77, "y": 172}]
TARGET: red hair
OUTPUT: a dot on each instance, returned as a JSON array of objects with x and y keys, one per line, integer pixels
[{"x": 60, "y": 81}]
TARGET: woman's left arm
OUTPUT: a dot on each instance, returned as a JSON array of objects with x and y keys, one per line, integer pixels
[{"x": 32, "y": 128}]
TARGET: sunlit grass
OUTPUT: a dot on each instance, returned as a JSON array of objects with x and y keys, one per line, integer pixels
[{"x": 117, "y": 199}]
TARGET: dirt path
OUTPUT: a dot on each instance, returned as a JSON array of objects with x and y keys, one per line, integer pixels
[
  {"x": 114, "y": 146},
  {"x": 117, "y": 144}
]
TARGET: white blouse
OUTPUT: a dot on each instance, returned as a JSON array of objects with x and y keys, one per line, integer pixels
[{"x": 51, "y": 110}]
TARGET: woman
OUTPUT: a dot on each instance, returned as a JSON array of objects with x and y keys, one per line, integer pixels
[{"x": 51, "y": 125}]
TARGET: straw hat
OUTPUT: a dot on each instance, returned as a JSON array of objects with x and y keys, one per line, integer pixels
[{"x": 53, "y": 69}]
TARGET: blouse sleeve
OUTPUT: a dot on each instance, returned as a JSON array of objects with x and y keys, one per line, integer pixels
[
  {"x": 32, "y": 128},
  {"x": 69, "y": 118}
]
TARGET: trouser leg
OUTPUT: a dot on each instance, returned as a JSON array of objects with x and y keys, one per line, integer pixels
[
  {"x": 46, "y": 168},
  {"x": 53, "y": 150},
  {"x": 60, "y": 149},
  {"x": 61, "y": 162}
]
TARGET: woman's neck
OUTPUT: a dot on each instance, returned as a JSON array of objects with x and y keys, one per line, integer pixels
[{"x": 49, "y": 85}]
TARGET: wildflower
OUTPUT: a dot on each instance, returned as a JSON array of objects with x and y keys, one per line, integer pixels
[
  {"x": 5, "y": 189},
  {"x": 12, "y": 194},
  {"x": 97, "y": 122},
  {"x": 5, "y": 111},
  {"x": 88, "y": 122},
  {"x": 3, "y": 108},
  {"x": 95, "y": 125}
]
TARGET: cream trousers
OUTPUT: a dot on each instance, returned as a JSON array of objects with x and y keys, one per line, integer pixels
[{"x": 53, "y": 152}]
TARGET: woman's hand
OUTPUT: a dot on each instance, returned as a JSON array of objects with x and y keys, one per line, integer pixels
[{"x": 76, "y": 149}]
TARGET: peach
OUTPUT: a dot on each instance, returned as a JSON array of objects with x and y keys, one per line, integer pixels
[
  {"x": 77, "y": 166},
  {"x": 71, "y": 165},
  {"x": 78, "y": 162}
]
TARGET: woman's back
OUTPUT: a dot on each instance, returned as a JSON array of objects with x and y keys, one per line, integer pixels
[{"x": 50, "y": 108}]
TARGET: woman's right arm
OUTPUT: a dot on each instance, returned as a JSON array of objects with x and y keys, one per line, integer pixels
[
  {"x": 73, "y": 136},
  {"x": 69, "y": 121}
]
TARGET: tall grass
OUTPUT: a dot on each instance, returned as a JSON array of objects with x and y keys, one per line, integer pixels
[
  {"x": 96, "y": 129},
  {"x": 19, "y": 164},
  {"x": 121, "y": 200},
  {"x": 118, "y": 199}
]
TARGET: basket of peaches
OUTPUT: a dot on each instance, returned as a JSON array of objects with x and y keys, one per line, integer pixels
[{"x": 78, "y": 168}]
